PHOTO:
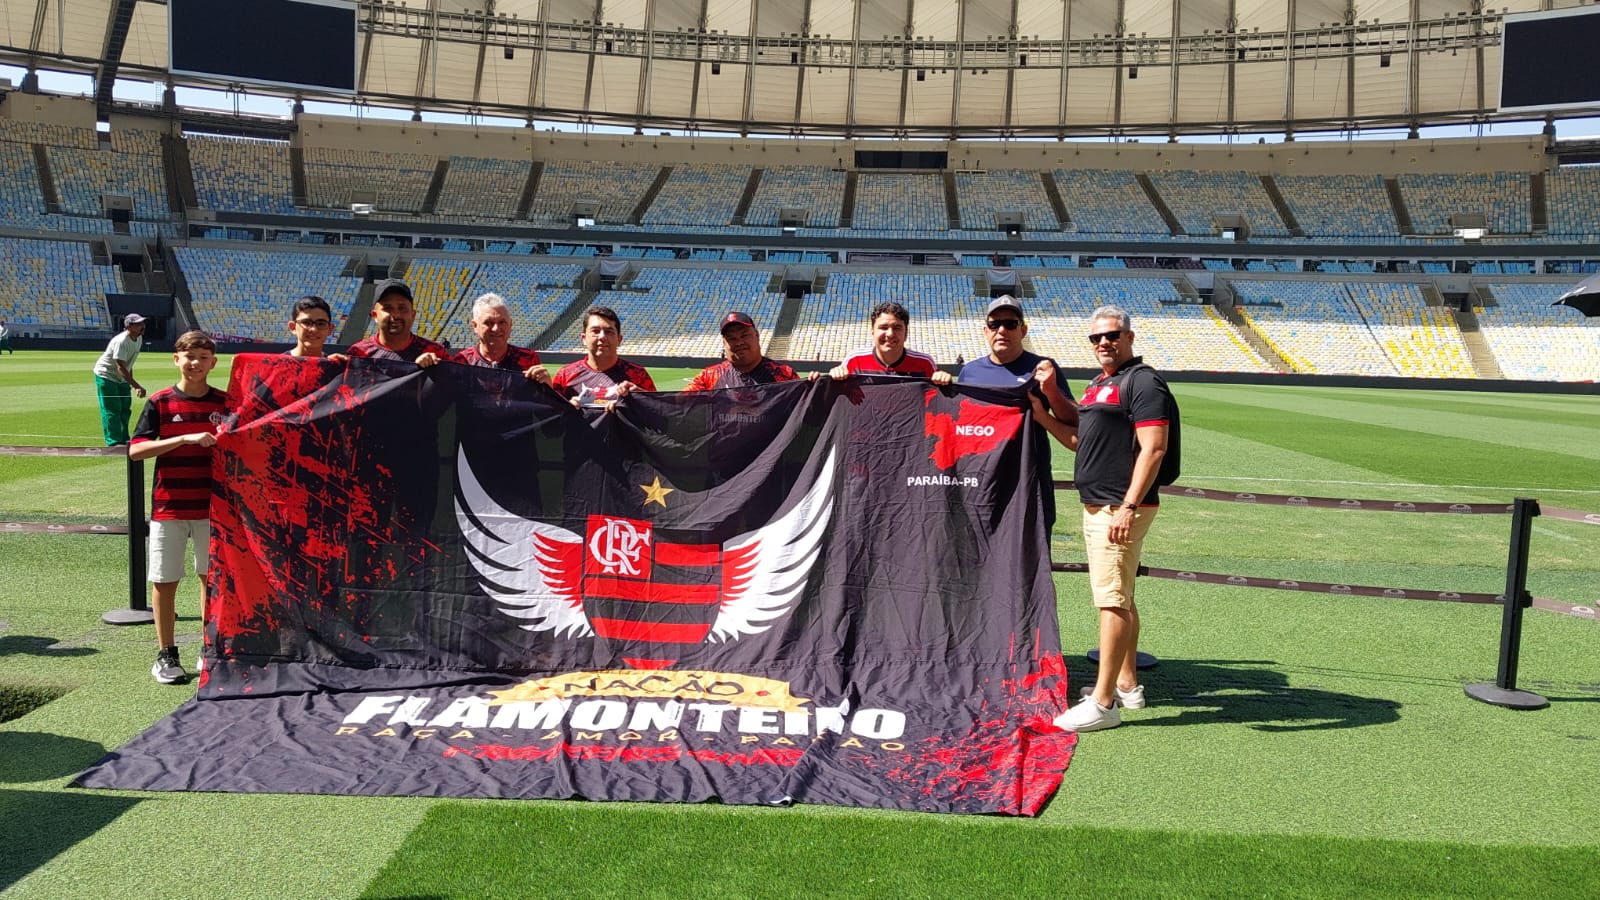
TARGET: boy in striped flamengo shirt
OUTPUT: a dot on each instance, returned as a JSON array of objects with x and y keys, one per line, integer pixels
[{"x": 178, "y": 428}]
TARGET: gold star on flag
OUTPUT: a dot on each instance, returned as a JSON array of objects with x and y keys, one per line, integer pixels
[{"x": 655, "y": 493}]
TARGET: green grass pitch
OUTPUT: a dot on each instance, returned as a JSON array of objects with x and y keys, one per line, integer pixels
[{"x": 1295, "y": 744}]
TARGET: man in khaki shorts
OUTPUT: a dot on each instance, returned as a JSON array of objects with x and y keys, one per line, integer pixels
[{"x": 1124, "y": 419}]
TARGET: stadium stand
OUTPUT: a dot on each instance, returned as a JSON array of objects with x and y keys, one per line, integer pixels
[
  {"x": 47, "y": 134},
  {"x": 247, "y": 293},
  {"x": 242, "y": 175},
  {"x": 1318, "y": 326},
  {"x": 1171, "y": 334},
  {"x": 1423, "y": 340},
  {"x": 698, "y": 194},
  {"x": 1100, "y": 201},
  {"x": 1502, "y": 197},
  {"x": 1354, "y": 206},
  {"x": 812, "y": 188},
  {"x": 1530, "y": 338},
  {"x": 1572, "y": 195},
  {"x": 132, "y": 168},
  {"x": 53, "y": 285},
  {"x": 899, "y": 202},
  {"x": 437, "y": 287},
  {"x": 1196, "y": 198},
  {"x": 982, "y": 194},
  {"x": 398, "y": 181},
  {"x": 614, "y": 188},
  {"x": 945, "y": 315},
  {"x": 482, "y": 188},
  {"x": 535, "y": 293},
  {"x": 21, "y": 203},
  {"x": 672, "y": 311}
]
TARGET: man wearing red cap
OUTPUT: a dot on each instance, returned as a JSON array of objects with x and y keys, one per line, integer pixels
[{"x": 745, "y": 365}]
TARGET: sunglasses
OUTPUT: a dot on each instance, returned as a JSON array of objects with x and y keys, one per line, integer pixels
[
  {"x": 1112, "y": 336},
  {"x": 1008, "y": 324},
  {"x": 313, "y": 323}
]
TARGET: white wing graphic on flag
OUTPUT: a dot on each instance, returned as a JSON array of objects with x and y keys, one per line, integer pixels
[
  {"x": 764, "y": 571},
  {"x": 531, "y": 569}
]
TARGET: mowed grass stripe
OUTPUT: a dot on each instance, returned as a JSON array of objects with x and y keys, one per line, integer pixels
[
  {"x": 474, "y": 850},
  {"x": 1581, "y": 412},
  {"x": 1378, "y": 412},
  {"x": 1397, "y": 451},
  {"x": 1560, "y": 404}
]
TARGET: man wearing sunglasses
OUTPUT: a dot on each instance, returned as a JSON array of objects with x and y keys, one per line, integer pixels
[
  {"x": 1120, "y": 437},
  {"x": 1009, "y": 364}
]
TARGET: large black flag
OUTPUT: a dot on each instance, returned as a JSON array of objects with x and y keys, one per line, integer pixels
[{"x": 451, "y": 582}]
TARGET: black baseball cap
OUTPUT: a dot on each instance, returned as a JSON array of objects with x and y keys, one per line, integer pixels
[
  {"x": 391, "y": 286},
  {"x": 736, "y": 318}
]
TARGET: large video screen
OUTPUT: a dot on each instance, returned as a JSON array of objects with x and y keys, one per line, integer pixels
[
  {"x": 288, "y": 43},
  {"x": 1547, "y": 60}
]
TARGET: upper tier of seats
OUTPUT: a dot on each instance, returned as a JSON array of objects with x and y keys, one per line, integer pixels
[
  {"x": 1108, "y": 202},
  {"x": 981, "y": 195},
  {"x": 1572, "y": 197},
  {"x": 1197, "y": 198},
  {"x": 906, "y": 202},
  {"x": 1501, "y": 197},
  {"x": 133, "y": 167},
  {"x": 396, "y": 182},
  {"x": 818, "y": 190},
  {"x": 699, "y": 194},
  {"x": 614, "y": 188},
  {"x": 1339, "y": 205},
  {"x": 482, "y": 188},
  {"x": 242, "y": 175}
]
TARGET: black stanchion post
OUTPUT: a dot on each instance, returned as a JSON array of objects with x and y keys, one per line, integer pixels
[
  {"x": 1504, "y": 692},
  {"x": 138, "y": 610}
]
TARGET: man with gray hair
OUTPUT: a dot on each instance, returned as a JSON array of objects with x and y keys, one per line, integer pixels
[
  {"x": 1125, "y": 419},
  {"x": 491, "y": 322}
]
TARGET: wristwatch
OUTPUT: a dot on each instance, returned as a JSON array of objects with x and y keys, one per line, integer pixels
[{"x": 1132, "y": 506}]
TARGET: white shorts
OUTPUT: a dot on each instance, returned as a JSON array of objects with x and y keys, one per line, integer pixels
[{"x": 167, "y": 539}]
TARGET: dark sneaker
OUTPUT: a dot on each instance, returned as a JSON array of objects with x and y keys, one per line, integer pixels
[{"x": 167, "y": 669}]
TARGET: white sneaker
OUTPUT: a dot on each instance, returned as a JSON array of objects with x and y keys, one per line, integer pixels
[
  {"x": 1133, "y": 699},
  {"x": 1087, "y": 715}
]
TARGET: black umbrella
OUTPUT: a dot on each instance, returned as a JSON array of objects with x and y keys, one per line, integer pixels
[{"x": 1583, "y": 296}]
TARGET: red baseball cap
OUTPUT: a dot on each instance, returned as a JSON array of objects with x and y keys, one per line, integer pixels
[{"x": 736, "y": 318}]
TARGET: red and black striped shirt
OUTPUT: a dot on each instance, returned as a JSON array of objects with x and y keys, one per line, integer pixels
[
  {"x": 575, "y": 376},
  {"x": 517, "y": 359},
  {"x": 724, "y": 375},
  {"x": 370, "y": 348},
  {"x": 183, "y": 474}
]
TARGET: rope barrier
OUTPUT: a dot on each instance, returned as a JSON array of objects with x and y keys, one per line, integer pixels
[{"x": 1296, "y": 500}]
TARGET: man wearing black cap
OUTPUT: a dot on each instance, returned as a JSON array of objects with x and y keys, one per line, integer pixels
[
  {"x": 745, "y": 365},
  {"x": 1009, "y": 364},
  {"x": 114, "y": 381},
  {"x": 393, "y": 311}
]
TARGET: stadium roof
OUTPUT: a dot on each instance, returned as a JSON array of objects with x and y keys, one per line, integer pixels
[{"x": 933, "y": 68}]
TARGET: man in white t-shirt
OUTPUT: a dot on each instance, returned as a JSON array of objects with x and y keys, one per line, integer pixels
[{"x": 114, "y": 381}]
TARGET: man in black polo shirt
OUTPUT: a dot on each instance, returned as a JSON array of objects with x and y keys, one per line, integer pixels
[{"x": 1124, "y": 419}]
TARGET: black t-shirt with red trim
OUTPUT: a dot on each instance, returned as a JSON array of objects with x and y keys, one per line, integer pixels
[
  {"x": 517, "y": 359},
  {"x": 183, "y": 474},
  {"x": 1113, "y": 406},
  {"x": 724, "y": 375},
  {"x": 369, "y": 348},
  {"x": 573, "y": 377}
]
